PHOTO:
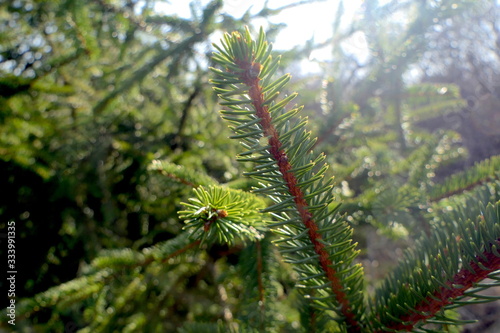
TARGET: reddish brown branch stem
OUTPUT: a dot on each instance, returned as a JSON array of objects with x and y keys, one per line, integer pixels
[
  {"x": 151, "y": 259},
  {"x": 455, "y": 288},
  {"x": 466, "y": 188},
  {"x": 181, "y": 251},
  {"x": 255, "y": 92},
  {"x": 178, "y": 179}
]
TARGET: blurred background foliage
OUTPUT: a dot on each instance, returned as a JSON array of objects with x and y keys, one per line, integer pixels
[{"x": 92, "y": 91}]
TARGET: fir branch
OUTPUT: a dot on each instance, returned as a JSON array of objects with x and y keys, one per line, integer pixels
[
  {"x": 457, "y": 257},
  {"x": 169, "y": 249},
  {"x": 258, "y": 266},
  {"x": 67, "y": 293},
  {"x": 477, "y": 175},
  {"x": 182, "y": 250},
  {"x": 128, "y": 258},
  {"x": 427, "y": 101},
  {"x": 103, "y": 269},
  {"x": 467, "y": 203},
  {"x": 103, "y": 322},
  {"x": 223, "y": 215},
  {"x": 281, "y": 150},
  {"x": 181, "y": 174},
  {"x": 447, "y": 295}
]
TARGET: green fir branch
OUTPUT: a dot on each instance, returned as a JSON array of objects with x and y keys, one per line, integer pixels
[
  {"x": 275, "y": 140},
  {"x": 181, "y": 174},
  {"x": 258, "y": 264},
  {"x": 442, "y": 272},
  {"x": 63, "y": 295},
  {"x": 102, "y": 269},
  {"x": 467, "y": 203},
  {"x": 426, "y": 101},
  {"x": 481, "y": 173},
  {"x": 161, "y": 252},
  {"x": 223, "y": 215},
  {"x": 105, "y": 321},
  {"x": 458, "y": 255}
]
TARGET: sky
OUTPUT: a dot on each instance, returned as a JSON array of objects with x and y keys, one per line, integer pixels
[{"x": 303, "y": 22}]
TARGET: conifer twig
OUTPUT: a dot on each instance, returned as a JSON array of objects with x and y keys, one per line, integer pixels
[
  {"x": 255, "y": 92},
  {"x": 246, "y": 69},
  {"x": 465, "y": 279}
]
